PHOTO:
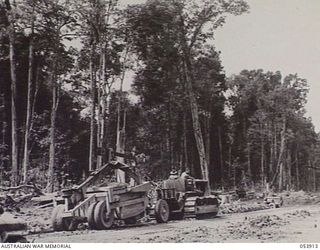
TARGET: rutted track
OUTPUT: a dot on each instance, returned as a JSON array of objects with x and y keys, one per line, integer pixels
[{"x": 286, "y": 224}]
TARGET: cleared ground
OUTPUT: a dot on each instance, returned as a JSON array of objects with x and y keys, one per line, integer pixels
[{"x": 298, "y": 223}]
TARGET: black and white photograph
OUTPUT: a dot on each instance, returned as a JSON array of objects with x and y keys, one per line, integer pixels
[{"x": 159, "y": 121}]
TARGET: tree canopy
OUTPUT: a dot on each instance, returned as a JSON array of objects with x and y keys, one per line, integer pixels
[{"x": 63, "y": 65}]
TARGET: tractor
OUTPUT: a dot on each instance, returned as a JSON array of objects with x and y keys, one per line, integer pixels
[{"x": 183, "y": 198}]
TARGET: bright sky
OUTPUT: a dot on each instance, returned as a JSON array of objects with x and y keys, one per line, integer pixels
[{"x": 276, "y": 35}]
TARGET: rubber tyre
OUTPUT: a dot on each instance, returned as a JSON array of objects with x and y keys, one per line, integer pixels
[
  {"x": 57, "y": 219},
  {"x": 130, "y": 221},
  {"x": 162, "y": 211},
  {"x": 90, "y": 216},
  {"x": 101, "y": 218}
]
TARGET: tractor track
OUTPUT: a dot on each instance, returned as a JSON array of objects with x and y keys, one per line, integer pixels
[{"x": 231, "y": 228}]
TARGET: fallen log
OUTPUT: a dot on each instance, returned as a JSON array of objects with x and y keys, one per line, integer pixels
[
  {"x": 46, "y": 205},
  {"x": 21, "y": 187},
  {"x": 13, "y": 201},
  {"x": 23, "y": 198},
  {"x": 47, "y": 198}
]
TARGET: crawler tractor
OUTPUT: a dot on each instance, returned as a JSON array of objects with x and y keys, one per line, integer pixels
[{"x": 183, "y": 198}]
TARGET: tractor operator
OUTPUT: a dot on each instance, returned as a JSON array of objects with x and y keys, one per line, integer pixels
[{"x": 186, "y": 174}]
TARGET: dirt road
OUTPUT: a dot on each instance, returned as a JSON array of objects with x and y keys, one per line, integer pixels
[{"x": 286, "y": 224}]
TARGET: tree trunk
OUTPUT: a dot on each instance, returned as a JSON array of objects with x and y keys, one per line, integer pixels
[
  {"x": 25, "y": 164},
  {"x": 229, "y": 163},
  {"x": 103, "y": 129},
  {"x": 262, "y": 164},
  {"x": 289, "y": 172},
  {"x": 275, "y": 148},
  {"x": 297, "y": 170},
  {"x": 269, "y": 172},
  {"x": 34, "y": 99},
  {"x": 185, "y": 143},
  {"x": 207, "y": 148},
  {"x": 281, "y": 170},
  {"x": 221, "y": 157},
  {"x": 249, "y": 172},
  {"x": 93, "y": 109},
  {"x": 120, "y": 147},
  {"x": 169, "y": 134},
  {"x": 14, "y": 135},
  {"x": 3, "y": 134},
  {"x": 196, "y": 122},
  {"x": 189, "y": 80},
  {"x": 52, "y": 150},
  {"x": 279, "y": 167},
  {"x": 33, "y": 104},
  {"x": 314, "y": 178},
  {"x": 100, "y": 112}
]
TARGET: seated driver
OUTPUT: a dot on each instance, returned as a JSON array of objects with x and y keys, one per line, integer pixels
[{"x": 186, "y": 174}]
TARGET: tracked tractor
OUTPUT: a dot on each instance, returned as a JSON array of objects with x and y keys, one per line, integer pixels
[{"x": 183, "y": 198}]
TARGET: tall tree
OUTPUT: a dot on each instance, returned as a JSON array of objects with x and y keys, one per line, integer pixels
[
  {"x": 29, "y": 115},
  {"x": 192, "y": 19},
  {"x": 182, "y": 25},
  {"x": 14, "y": 136},
  {"x": 57, "y": 18},
  {"x": 267, "y": 110}
]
